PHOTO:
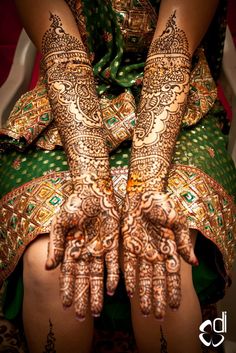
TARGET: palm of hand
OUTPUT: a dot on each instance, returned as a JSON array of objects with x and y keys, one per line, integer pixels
[
  {"x": 154, "y": 235},
  {"x": 83, "y": 233}
]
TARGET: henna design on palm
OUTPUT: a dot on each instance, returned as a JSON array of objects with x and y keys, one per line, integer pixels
[
  {"x": 154, "y": 235},
  {"x": 84, "y": 233}
]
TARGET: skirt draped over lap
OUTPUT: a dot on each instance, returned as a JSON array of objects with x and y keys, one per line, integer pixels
[{"x": 35, "y": 180}]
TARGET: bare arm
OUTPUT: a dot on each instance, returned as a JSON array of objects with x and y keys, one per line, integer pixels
[
  {"x": 35, "y": 16},
  {"x": 180, "y": 28},
  {"x": 154, "y": 232},
  {"x": 85, "y": 231}
]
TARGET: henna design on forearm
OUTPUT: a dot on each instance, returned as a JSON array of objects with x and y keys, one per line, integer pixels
[
  {"x": 74, "y": 102},
  {"x": 86, "y": 229},
  {"x": 50, "y": 345},
  {"x": 154, "y": 233},
  {"x": 162, "y": 105}
]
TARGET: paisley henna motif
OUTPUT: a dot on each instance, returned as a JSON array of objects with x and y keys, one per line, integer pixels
[
  {"x": 85, "y": 231},
  {"x": 161, "y": 108},
  {"x": 154, "y": 234}
]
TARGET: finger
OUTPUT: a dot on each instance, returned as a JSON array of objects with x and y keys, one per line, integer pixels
[
  {"x": 173, "y": 281},
  {"x": 60, "y": 225},
  {"x": 159, "y": 290},
  {"x": 67, "y": 276},
  {"x": 67, "y": 281},
  {"x": 112, "y": 265},
  {"x": 81, "y": 287},
  {"x": 183, "y": 240},
  {"x": 96, "y": 285},
  {"x": 145, "y": 286},
  {"x": 55, "y": 245},
  {"x": 130, "y": 265}
]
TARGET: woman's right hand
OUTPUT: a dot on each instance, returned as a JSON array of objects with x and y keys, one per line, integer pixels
[
  {"x": 83, "y": 234},
  {"x": 155, "y": 235}
]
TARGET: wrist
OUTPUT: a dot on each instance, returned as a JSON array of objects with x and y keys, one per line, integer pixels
[
  {"x": 59, "y": 46},
  {"x": 102, "y": 183},
  {"x": 148, "y": 182}
]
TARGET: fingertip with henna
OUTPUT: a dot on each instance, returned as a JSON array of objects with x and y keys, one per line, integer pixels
[
  {"x": 80, "y": 318},
  {"x": 111, "y": 287},
  {"x": 193, "y": 259},
  {"x": 110, "y": 293}
]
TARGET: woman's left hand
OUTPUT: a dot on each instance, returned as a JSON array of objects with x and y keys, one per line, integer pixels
[
  {"x": 84, "y": 237},
  {"x": 154, "y": 234}
]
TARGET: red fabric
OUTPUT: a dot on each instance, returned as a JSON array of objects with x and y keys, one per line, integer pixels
[
  {"x": 10, "y": 28},
  {"x": 232, "y": 18}
]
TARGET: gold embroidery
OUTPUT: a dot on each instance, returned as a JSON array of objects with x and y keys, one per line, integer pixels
[
  {"x": 202, "y": 92},
  {"x": 137, "y": 23},
  {"x": 27, "y": 211}
]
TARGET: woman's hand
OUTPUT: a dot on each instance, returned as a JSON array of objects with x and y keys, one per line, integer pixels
[
  {"x": 84, "y": 234},
  {"x": 154, "y": 235}
]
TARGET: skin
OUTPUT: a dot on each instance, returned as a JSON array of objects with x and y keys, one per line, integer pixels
[
  {"x": 81, "y": 251},
  {"x": 85, "y": 231},
  {"x": 152, "y": 242},
  {"x": 154, "y": 233}
]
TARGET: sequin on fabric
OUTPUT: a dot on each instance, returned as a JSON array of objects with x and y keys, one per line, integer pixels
[{"x": 35, "y": 182}]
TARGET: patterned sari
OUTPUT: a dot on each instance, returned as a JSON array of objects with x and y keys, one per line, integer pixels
[{"x": 35, "y": 180}]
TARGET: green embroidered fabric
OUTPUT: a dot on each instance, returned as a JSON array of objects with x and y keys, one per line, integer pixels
[{"x": 202, "y": 146}]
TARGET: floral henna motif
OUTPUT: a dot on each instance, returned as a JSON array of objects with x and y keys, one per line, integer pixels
[
  {"x": 153, "y": 241},
  {"x": 74, "y": 102},
  {"x": 154, "y": 234},
  {"x": 162, "y": 105},
  {"x": 163, "y": 342},
  {"x": 85, "y": 231},
  {"x": 51, "y": 340}
]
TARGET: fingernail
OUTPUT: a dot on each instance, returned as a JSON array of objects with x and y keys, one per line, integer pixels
[
  {"x": 196, "y": 263},
  {"x": 49, "y": 264},
  {"x": 96, "y": 315},
  {"x": 80, "y": 318},
  {"x": 160, "y": 319},
  {"x": 110, "y": 293},
  {"x": 145, "y": 315},
  {"x": 48, "y": 267},
  {"x": 65, "y": 307}
]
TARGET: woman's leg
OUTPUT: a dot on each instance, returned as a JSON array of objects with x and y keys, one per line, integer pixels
[
  {"x": 48, "y": 327},
  {"x": 180, "y": 328}
]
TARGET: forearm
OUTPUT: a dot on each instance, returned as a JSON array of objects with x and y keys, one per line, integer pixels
[
  {"x": 74, "y": 102},
  {"x": 162, "y": 105}
]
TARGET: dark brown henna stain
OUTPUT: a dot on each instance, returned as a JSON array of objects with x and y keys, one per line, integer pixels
[
  {"x": 87, "y": 224},
  {"x": 153, "y": 231},
  {"x": 74, "y": 102},
  {"x": 163, "y": 342},
  {"x": 150, "y": 235},
  {"x": 162, "y": 105},
  {"x": 50, "y": 345}
]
